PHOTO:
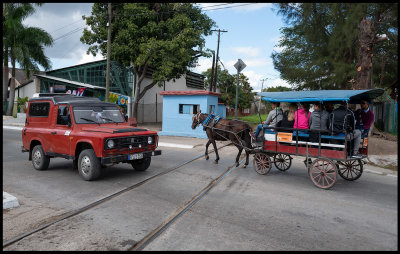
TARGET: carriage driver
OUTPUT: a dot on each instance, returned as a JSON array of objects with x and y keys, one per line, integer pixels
[{"x": 274, "y": 116}]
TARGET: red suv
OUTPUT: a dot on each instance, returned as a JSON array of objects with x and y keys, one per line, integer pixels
[{"x": 92, "y": 133}]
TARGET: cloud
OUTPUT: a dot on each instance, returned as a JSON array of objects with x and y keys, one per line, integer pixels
[
  {"x": 85, "y": 58},
  {"x": 203, "y": 65},
  {"x": 247, "y": 51},
  {"x": 63, "y": 22},
  {"x": 277, "y": 82}
]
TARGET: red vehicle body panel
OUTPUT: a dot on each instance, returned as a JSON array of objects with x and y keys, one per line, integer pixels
[{"x": 63, "y": 140}]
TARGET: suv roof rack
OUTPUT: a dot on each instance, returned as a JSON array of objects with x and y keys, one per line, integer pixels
[{"x": 36, "y": 95}]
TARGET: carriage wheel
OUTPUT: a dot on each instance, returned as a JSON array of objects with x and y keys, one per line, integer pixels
[
  {"x": 323, "y": 173},
  {"x": 350, "y": 170},
  {"x": 282, "y": 161},
  {"x": 262, "y": 163}
]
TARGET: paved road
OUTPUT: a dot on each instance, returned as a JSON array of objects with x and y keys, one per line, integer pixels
[{"x": 245, "y": 211}]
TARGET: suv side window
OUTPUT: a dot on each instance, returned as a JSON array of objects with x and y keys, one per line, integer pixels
[
  {"x": 39, "y": 109},
  {"x": 62, "y": 115}
]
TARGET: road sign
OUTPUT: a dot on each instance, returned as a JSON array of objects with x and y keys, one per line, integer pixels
[{"x": 240, "y": 65}]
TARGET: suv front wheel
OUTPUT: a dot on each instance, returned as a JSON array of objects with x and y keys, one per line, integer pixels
[
  {"x": 142, "y": 164},
  {"x": 39, "y": 160},
  {"x": 89, "y": 167}
]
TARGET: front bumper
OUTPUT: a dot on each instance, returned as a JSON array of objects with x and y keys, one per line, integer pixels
[{"x": 124, "y": 157}]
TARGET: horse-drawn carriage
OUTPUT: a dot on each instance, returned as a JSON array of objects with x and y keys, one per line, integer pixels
[
  {"x": 279, "y": 144},
  {"x": 331, "y": 153}
]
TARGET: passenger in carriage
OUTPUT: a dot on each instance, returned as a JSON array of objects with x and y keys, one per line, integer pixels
[
  {"x": 364, "y": 118},
  {"x": 341, "y": 120},
  {"x": 301, "y": 118},
  {"x": 301, "y": 121},
  {"x": 288, "y": 117},
  {"x": 328, "y": 106},
  {"x": 274, "y": 116},
  {"x": 318, "y": 122}
]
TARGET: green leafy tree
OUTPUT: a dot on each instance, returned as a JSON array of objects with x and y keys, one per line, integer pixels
[
  {"x": 167, "y": 37},
  {"x": 277, "y": 89},
  {"x": 321, "y": 44},
  {"x": 21, "y": 44}
]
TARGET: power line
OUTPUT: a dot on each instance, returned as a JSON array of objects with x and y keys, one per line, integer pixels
[
  {"x": 120, "y": 15},
  {"x": 70, "y": 32},
  {"x": 67, "y": 25}
]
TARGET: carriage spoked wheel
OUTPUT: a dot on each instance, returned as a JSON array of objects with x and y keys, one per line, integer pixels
[
  {"x": 282, "y": 161},
  {"x": 262, "y": 163},
  {"x": 350, "y": 170},
  {"x": 323, "y": 173}
]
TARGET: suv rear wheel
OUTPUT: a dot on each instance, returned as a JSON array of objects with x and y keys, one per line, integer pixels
[
  {"x": 142, "y": 164},
  {"x": 39, "y": 160},
  {"x": 89, "y": 167}
]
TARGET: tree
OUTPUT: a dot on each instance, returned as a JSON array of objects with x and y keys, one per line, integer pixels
[
  {"x": 321, "y": 43},
  {"x": 277, "y": 89},
  {"x": 21, "y": 44},
  {"x": 167, "y": 37}
]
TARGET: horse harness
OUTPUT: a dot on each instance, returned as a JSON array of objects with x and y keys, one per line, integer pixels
[{"x": 213, "y": 120}]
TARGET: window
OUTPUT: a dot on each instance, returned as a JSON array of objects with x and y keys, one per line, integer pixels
[
  {"x": 97, "y": 114},
  {"x": 211, "y": 109},
  {"x": 62, "y": 115},
  {"x": 189, "y": 108},
  {"x": 39, "y": 109}
]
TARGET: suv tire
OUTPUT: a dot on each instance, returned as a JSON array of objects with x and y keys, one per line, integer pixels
[
  {"x": 40, "y": 161},
  {"x": 89, "y": 167},
  {"x": 142, "y": 164}
]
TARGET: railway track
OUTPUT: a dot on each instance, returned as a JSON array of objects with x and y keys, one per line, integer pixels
[{"x": 154, "y": 233}]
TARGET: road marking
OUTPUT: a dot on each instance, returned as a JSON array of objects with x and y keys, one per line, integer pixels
[
  {"x": 175, "y": 145},
  {"x": 13, "y": 128}
]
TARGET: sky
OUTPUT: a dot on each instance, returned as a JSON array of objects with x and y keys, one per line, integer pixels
[{"x": 252, "y": 35}]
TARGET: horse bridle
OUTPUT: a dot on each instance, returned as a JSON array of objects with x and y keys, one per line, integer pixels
[{"x": 197, "y": 118}]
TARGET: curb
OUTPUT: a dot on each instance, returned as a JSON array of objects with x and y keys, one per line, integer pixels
[{"x": 9, "y": 201}]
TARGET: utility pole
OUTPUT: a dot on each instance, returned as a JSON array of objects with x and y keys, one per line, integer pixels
[
  {"x": 108, "y": 53},
  {"x": 212, "y": 73},
  {"x": 216, "y": 60},
  {"x": 262, "y": 84}
]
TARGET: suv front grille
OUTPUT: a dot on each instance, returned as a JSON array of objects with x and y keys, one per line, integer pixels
[
  {"x": 133, "y": 141},
  {"x": 129, "y": 142}
]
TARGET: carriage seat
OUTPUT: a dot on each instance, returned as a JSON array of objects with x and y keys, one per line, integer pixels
[{"x": 268, "y": 131}]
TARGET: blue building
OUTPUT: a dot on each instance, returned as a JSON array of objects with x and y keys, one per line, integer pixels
[{"x": 179, "y": 108}]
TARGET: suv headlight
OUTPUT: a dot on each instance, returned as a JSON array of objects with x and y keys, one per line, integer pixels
[
  {"x": 150, "y": 140},
  {"x": 110, "y": 144}
]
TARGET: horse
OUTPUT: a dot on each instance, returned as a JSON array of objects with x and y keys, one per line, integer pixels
[{"x": 235, "y": 130}]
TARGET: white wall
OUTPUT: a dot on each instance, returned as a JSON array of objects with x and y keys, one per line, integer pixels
[{"x": 27, "y": 90}]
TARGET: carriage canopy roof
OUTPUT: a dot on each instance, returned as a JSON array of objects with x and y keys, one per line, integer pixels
[{"x": 351, "y": 96}]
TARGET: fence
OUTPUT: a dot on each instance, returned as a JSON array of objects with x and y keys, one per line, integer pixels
[{"x": 386, "y": 116}]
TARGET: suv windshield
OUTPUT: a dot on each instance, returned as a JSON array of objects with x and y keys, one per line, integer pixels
[{"x": 97, "y": 114}]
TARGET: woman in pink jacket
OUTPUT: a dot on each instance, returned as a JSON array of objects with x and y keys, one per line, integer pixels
[{"x": 301, "y": 117}]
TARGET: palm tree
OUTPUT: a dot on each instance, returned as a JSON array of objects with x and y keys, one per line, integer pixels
[{"x": 21, "y": 44}]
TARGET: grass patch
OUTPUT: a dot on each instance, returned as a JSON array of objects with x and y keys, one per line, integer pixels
[{"x": 252, "y": 120}]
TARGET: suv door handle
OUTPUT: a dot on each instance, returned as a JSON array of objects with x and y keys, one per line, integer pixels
[{"x": 53, "y": 132}]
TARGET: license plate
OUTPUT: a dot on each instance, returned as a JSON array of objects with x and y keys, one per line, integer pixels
[{"x": 135, "y": 156}]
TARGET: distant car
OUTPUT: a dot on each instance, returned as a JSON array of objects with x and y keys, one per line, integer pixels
[{"x": 94, "y": 134}]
